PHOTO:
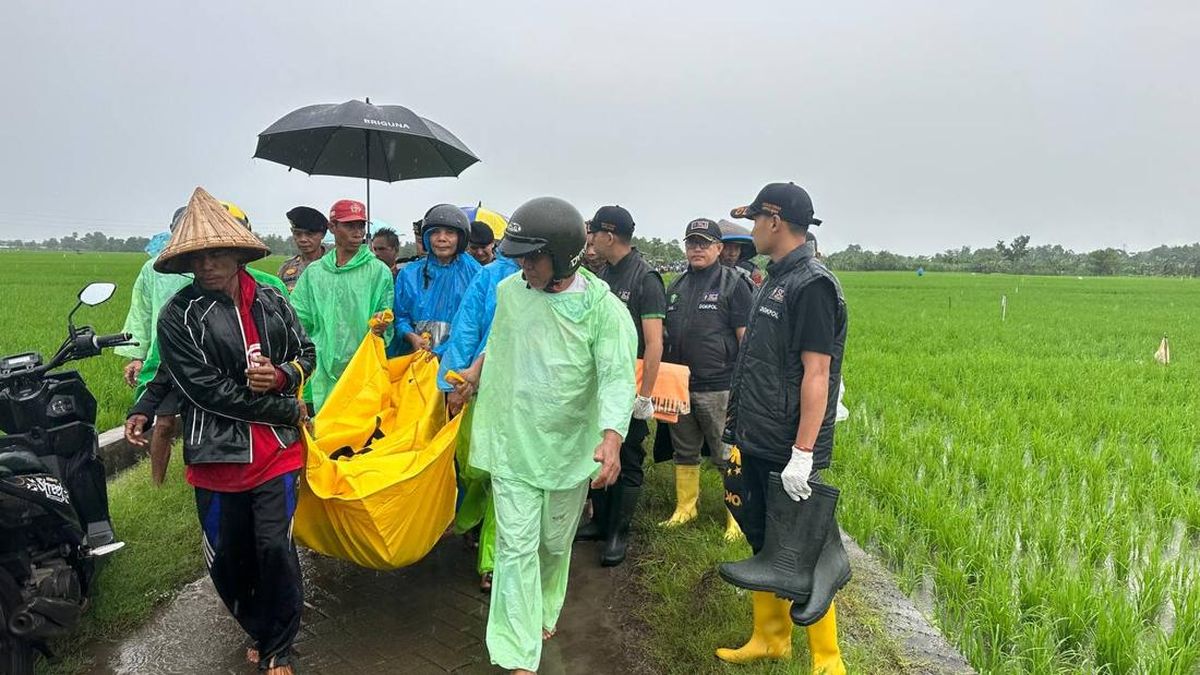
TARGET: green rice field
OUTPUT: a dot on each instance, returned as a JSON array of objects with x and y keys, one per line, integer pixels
[
  {"x": 38, "y": 290},
  {"x": 1033, "y": 482}
]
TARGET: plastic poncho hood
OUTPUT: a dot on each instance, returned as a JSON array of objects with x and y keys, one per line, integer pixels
[
  {"x": 558, "y": 370},
  {"x": 334, "y": 304}
]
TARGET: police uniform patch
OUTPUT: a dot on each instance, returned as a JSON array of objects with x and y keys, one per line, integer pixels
[
  {"x": 624, "y": 295},
  {"x": 777, "y": 295},
  {"x": 712, "y": 296}
]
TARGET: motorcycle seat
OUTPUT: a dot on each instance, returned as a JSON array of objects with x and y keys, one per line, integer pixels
[{"x": 20, "y": 462}]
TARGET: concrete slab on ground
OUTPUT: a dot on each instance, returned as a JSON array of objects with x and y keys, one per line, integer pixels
[{"x": 925, "y": 649}]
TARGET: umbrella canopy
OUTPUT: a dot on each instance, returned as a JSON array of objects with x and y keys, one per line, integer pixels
[
  {"x": 493, "y": 219},
  {"x": 361, "y": 140}
]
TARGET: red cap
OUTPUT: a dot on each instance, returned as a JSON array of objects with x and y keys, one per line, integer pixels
[{"x": 347, "y": 210}]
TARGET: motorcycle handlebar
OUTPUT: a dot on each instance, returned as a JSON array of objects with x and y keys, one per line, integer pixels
[{"x": 116, "y": 340}]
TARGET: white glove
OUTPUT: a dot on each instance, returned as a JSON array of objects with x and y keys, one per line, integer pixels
[
  {"x": 643, "y": 408},
  {"x": 795, "y": 475}
]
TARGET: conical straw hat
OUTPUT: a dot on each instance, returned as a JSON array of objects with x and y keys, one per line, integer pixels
[{"x": 207, "y": 225}]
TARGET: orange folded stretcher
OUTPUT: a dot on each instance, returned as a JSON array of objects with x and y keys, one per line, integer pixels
[{"x": 670, "y": 394}]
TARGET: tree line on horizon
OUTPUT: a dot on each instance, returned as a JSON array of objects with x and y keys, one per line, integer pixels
[
  {"x": 1014, "y": 257},
  {"x": 1018, "y": 257},
  {"x": 654, "y": 249}
]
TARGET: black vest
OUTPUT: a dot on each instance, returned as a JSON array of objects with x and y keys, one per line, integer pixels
[
  {"x": 764, "y": 404},
  {"x": 626, "y": 280},
  {"x": 696, "y": 330}
]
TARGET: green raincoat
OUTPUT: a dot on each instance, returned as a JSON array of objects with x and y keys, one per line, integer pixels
[
  {"x": 151, "y": 291},
  {"x": 558, "y": 370},
  {"x": 334, "y": 304}
]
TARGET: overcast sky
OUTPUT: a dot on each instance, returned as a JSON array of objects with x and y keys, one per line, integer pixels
[{"x": 916, "y": 126}]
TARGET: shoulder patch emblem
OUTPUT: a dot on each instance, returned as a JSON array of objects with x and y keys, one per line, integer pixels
[
  {"x": 777, "y": 295},
  {"x": 624, "y": 295}
]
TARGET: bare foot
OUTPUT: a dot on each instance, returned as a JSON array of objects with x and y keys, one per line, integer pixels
[
  {"x": 281, "y": 670},
  {"x": 252, "y": 656},
  {"x": 547, "y": 633},
  {"x": 485, "y": 582}
]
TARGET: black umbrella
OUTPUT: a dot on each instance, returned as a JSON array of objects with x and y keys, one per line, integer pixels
[{"x": 361, "y": 140}]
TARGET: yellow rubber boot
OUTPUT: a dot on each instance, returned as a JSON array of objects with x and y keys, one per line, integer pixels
[
  {"x": 823, "y": 645},
  {"x": 772, "y": 636},
  {"x": 687, "y": 495},
  {"x": 733, "y": 532}
]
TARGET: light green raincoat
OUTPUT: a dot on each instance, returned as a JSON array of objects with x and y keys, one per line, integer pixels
[
  {"x": 334, "y": 304},
  {"x": 558, "y": 370},
  {"x": 151, "y": 291}
]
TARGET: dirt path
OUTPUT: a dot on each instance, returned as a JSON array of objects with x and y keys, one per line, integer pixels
[{"x": 428, "y": 618}]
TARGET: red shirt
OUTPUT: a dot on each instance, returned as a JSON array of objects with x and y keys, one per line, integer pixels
[{"x": 268, "y": 457}]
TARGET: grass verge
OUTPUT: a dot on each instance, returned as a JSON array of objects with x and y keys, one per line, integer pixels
[
  {"x": 688, "y": 611},
  {"x": 162, "y": 552}
]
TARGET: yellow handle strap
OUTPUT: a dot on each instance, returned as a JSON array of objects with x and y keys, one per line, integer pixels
[
  {"x": 386, "y": 318},
  {"x": 300, "y": 387}
]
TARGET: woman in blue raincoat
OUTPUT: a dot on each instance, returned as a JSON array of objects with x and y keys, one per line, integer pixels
[{"x": 429, "y": 291}]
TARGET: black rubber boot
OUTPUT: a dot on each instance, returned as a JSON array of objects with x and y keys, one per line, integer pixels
[
  {"x": 795, "y": 535},
  {"x": 831, "y": 573},
  {"x": 593, "y": 529},
  {"x": 623, "y": 502}
]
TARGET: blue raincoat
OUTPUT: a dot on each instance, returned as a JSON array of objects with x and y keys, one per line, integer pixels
[
  {"x": 473, "y": 322},
  {"x": 428, "y": 294}
]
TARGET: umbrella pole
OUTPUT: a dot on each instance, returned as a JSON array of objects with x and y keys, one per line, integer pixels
[{"x": 367, "y": 138}]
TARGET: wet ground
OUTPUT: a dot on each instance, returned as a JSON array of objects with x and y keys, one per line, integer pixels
[{"x": 428, "y": 618}]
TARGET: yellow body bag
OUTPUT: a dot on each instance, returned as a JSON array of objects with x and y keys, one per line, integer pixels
[{"x": 379, "y": 485}]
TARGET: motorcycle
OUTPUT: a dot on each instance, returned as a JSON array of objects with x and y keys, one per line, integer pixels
[{"x": 54, "y": 521}]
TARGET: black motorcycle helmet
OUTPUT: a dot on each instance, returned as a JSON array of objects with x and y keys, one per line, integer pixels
[
  {"x": 550, "y": 225},
  {"x": 448, "y": 216}
]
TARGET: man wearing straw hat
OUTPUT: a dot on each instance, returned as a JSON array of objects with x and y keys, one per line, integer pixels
[
  {"x": 238, "y": 354},
  {"x": 155, "y": 397}
]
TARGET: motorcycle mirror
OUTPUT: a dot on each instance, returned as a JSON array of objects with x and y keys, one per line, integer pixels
[{"x": 96, "y": 293}]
